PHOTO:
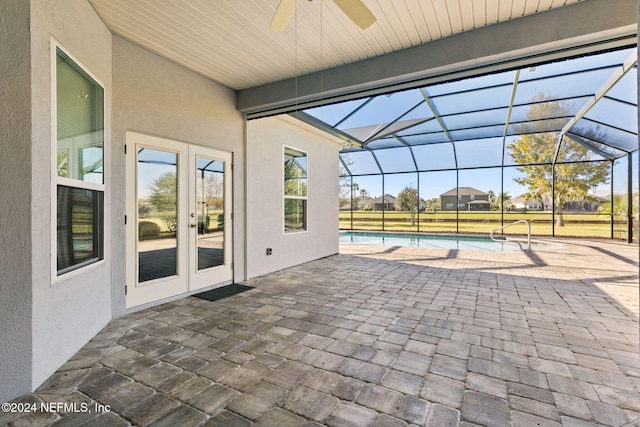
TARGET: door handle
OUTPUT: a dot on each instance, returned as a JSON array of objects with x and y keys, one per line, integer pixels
[{"x": 192, "y": 225}]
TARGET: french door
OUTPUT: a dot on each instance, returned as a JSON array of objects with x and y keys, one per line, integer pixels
[{"x": 178, "y": 218}]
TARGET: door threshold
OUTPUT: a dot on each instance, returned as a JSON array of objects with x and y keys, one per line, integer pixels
[{"x": 175, "y": 297}]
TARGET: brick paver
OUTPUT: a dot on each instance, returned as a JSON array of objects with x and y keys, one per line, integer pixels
[{"x": 376, "y": 336}]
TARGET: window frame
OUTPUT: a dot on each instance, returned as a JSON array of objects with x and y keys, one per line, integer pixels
[
  {"x": 98, "y": 189},
  {"x": 286, "y": 197}
]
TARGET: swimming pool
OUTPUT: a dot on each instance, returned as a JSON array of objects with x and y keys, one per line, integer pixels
[{"x": 436, "y": 241}]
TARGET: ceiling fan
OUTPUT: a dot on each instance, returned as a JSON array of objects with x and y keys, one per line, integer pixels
[{"x": 354, "y": 9}]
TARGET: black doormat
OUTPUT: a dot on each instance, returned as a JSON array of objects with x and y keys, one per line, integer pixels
[{"x": 222, "y": 292}]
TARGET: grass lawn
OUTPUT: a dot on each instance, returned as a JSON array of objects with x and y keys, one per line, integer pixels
[{"x": 575, "y": 224}]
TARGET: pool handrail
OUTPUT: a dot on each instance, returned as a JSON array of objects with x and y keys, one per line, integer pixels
[{"x": 513, "y": 223}]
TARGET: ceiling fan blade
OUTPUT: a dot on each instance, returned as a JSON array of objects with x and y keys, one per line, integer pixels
[
  {"x": 285, "y": 11},
  {"x": 357, "y": 12}
]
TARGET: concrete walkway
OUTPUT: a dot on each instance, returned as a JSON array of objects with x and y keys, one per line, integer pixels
[{"x": 375, "y": 336}]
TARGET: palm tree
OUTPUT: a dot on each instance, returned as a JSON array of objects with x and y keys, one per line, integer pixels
[{"x": 363, "y": 194}]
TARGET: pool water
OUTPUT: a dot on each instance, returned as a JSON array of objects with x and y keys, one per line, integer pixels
[{"x": 473, "y": 243}]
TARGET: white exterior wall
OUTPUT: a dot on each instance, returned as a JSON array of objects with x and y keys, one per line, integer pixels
[
  {"x": 15, "y": 200},
  {"x": 69, "y": 312},
  {"x": 155, "y": 96},
  {"x": 265, "y": 204}
]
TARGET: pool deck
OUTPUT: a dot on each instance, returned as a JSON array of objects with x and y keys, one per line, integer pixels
[{"x": 377, "y": 336}]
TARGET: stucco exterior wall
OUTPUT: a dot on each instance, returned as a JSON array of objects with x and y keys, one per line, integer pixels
[
  {"x": 15, "y": 200},
  {"x": 66, "y": 312},
  {"x": 265, "y": 140},
  {"x": 155, "y": 96}
]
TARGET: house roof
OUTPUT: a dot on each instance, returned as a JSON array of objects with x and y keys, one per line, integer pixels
[
  {"x": 464, "y": 191},
  {"x": 388, "y": 198}
]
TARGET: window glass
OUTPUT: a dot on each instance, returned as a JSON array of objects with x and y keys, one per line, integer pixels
[
  {"x": 295, "y": 190},
  {"x": 295, "y": 218},
  {"x": 79, "y": 165},
  {"x": 79, "y": 225},
  {"x": 80, "y": 122},
  {"x": 295, "y": 173}
]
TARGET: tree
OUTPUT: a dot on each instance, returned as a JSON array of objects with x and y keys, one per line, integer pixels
[
  {"x": 214, "y": 190},
  {"x": 363, "y": 194},
  {"x": 574, "y": 174},
  {"x": 163, "y": 198},
  {"x": 492, "y": 198},
  {"x": 433, "y": 204},
  {"x": 407, "y": 200},
  {"x": 503, "y": 200},
  {"x": 354, "y": 192}
]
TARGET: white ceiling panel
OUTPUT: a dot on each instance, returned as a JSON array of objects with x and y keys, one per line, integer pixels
[{"x": 229, "y": 41}]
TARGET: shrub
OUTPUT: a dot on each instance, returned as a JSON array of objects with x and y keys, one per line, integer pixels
[{"x": 148, "y": 229}]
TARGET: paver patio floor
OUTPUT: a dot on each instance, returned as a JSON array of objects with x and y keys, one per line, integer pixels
[{"x": 375, "y": 336}]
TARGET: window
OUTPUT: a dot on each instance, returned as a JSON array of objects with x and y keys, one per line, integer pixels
[
  {"x": 449, "y": 205},
  {"x": 79, "y": 165},
  {"x": 295, "y": 190}
]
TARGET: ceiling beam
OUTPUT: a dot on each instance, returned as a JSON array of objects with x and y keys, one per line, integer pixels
[{"x": 566, "y": 31}]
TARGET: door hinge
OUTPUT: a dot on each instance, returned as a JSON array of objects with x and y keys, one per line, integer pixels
[
  {"x": 231, "y": 166},
  {"x": 231, "y": 216},
  {"x": 125, "y": 290},
  {"x": 125, "y": 148},
  {"x": 125, "y": 220}
]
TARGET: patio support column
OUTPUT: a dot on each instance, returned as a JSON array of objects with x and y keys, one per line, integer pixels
[
  {"x": 384, "y": 203},
  {"x": 418, "y": 197},
  {"x": 612, "y": 217},
  {"x": 351, "y": 199},
  {"x": 553, "y": 200},
  {"x": 457, "y": 200},
  {"x": 629, "y": 197},
  {"x": 501, "y": 193}
]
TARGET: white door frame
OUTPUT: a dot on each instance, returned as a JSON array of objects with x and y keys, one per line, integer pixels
[
  {"x": 199, "y": 279},
  {"x": 188, "y": 278}
]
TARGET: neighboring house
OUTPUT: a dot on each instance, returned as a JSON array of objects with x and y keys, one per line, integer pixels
[
  {"x": 590, "y": 204},
  {"x": 465, "y": 198},
  {"x": 522, "y": 203},
  {"x": 364, "y": 203},
  {"x": 387, "y": 204},
  {"x": 479, "y": 205}
]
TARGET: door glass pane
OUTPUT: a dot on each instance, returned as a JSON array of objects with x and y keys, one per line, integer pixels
[
  {"x": 157, "y": 214},
  {"x": 210, "y": 212}
]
